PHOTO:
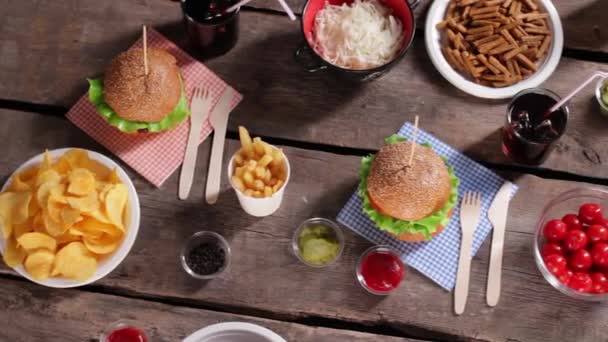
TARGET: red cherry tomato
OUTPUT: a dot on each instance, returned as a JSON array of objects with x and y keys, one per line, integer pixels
[
  {"x": 597, "y": 233},
  {"x": 552, "y": 248},
  {"x": 572, "y": 222},
  {"x": 600, "y": 282},
  {"x": 581, "y": 282},
  {"x": 575, "y": 240},
  {"x": 602, "y": 222},
  {"x": 556, "y": 264},
  {"x": 580, "y": 261},
  {"x": 564, "y": 278},
  {"x": 589, "y": 212},
  {"x": 555, "y": 230},
  {"x": 599, "y": 252}
]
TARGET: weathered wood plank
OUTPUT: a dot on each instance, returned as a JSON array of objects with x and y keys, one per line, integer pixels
[
  {"x": 265, "y": 276},
  {"x": 281, "y": 99},
  {"x": 35, "y": 313}
]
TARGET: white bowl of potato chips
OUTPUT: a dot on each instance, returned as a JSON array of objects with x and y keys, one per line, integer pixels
[{"x": 68, "y": 217}]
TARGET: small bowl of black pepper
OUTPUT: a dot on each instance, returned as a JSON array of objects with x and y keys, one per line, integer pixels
[{"x": 205, "y": 255}]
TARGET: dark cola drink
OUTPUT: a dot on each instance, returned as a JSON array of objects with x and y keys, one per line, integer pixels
[{"x": 530, "y": 133}]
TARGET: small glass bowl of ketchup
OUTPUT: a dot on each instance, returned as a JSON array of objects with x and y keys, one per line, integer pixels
[
  {"x": 123, "y": 331},
  {"x": 380, "y": 270}
]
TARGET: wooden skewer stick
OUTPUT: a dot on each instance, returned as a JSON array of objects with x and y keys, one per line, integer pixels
[
  {"x": 145, "y": 39},
  {"x": 411, "y": 160}
]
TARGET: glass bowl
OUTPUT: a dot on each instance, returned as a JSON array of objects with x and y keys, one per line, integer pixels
[
  {"x": 598, "y": 95},
  {"x": 317, "y": 221},
  {"x": 381, "y": 249},
  {"x": 205, "y": 237},
  {"x": 566, "y": 203},
  {"x": 122, "y": 324}
]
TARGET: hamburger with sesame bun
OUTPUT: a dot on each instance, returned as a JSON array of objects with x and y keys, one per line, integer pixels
[
  {"x": 135, "y": 102},
  {"x": 411, "y": 202}
]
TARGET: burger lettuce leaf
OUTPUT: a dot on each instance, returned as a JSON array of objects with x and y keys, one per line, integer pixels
[
  {"x": 179, "y": 113},
  {"x": 427, "y": 225}
]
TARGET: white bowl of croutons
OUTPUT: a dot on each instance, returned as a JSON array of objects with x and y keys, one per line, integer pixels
[{"x": 494, "y": 49}]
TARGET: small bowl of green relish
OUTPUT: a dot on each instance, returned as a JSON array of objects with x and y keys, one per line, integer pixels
[
  {"x": 318, "y": 242},
  {"x": 601, "y": 94}
]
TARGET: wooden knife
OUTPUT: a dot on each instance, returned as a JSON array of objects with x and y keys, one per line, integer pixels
[
  {"x": 497, "y": 214},
  {"x": 219, "y": 120}
]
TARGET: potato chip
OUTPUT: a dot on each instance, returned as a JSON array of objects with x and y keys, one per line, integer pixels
[
  {"x": 39, "y": 264},
  {"x": 53, "y": 208},
  {"x": 62, "y": 166},
  {"x": 14, "y": 209},
  {"x": 98, "y": 215},
  {"x": 81, "y": 182},
  {"x": 44, "y": 191},
  {"x": 22, "y": 228},
  {"x": 46, "y": 164},
  {"x": 53, "y": 228},
  {"x": 85, "y": 204},
  {"x": 48, "y": 176},
  {"x": 29, "y": 175},
  {"x": 34, "y": 240},
  {"x": 67, "y": 237},
  {"x": 69, "y": 216},
  {"x": 103, "y": 244},
  {"x": 74, "y": 261},
  {"x": 114, "y": 178},
  {"x": 76, "y": 158},
  {"x": 100, "y": 171},
  {"x": 102, "y": 189},
  {"x": 18, "y": 185},
  {"x": 91, "y": 226},
  {"x": 116, "y": 201},
  {"x": 13, "y": 254}
]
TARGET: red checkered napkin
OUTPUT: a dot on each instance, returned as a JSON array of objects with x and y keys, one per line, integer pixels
[{"x": 155, "y": 155}]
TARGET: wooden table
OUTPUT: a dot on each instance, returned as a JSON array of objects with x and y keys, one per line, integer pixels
[{"x": 48, "y": 48}]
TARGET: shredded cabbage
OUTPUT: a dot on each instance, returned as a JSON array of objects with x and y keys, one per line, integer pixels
[{"x": 361, "y": 36}]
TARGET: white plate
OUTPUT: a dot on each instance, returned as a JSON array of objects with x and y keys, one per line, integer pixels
[
  {"x": 234, "y": 332},
  {"x": 109, "y": 263},
  {"x": 432, "y": 39}
]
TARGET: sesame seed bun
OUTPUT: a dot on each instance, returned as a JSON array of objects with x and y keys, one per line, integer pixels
[
  {"x": 408, "y": 193},
  {"x": 138, "y": 97}
]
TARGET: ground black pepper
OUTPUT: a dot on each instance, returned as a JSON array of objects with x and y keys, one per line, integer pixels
[{"x": 206, "y": 258}]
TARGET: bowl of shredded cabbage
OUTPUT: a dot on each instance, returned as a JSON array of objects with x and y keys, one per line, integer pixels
[{"x": 358, "y": 39}]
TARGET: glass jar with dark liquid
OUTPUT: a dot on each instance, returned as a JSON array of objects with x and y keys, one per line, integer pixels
[
  {"x": 211, "y": 30},
  {"x": 530, "y": 133}
]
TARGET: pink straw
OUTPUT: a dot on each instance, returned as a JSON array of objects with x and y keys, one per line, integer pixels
[
  {"x": 282, "y": 2},
  {"x": 575, "y": 91}
]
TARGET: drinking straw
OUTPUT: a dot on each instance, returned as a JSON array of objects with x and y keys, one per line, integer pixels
[
  {"x": 286, "y": 7},
  {"x": 145, "y": 39},
  {"x": 575, "y": 91},
  {"x": 414, "y": 135}
]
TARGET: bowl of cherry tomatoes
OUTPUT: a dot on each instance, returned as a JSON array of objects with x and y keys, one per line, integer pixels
[{"x": 571, "y": 243}]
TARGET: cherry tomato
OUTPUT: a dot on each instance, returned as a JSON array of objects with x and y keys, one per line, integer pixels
[
  {"x": 564, "y": 278},
  {"x": 552, "y": 248},
  {"x": 597, "y": 233},
  {"x": 602, "y": 222},
  {"x": 599, "y": 252},
  {"x": 580, "y": 261},
  {"x": 575, "y": 240},
  {"x": 590, "y": 212},
  {"x": 581, "y": 282},
  {"x": 555, "y": 230},
  {"x": 600, "y": 282},
  {"x": 572, "y": 222},
  {"x": 556, "y": 264}
]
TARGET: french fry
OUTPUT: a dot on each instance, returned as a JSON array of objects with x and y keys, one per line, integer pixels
[{"x": 245, "y": 138}]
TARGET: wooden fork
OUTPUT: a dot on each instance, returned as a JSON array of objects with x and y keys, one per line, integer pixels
[
  {"x": 470, "y": 208},
  {"x": 199, "y": 106}
]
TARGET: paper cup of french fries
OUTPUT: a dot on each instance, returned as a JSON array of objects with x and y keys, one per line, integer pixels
[{"x": 259, "y": 173}]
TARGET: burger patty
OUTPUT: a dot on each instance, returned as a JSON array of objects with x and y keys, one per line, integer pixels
[{"x": 408, "y": 192}]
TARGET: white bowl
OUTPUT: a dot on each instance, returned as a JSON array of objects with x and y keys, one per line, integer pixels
[
  {"x": 112, "y": 261},
  {"x": 234, "y": 332},
  {"x": 432, "y": 38},
  {"x": 598, "y": 95}
]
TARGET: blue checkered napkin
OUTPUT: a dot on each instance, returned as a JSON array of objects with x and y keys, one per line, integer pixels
[{"x": 438, "y": 258}]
